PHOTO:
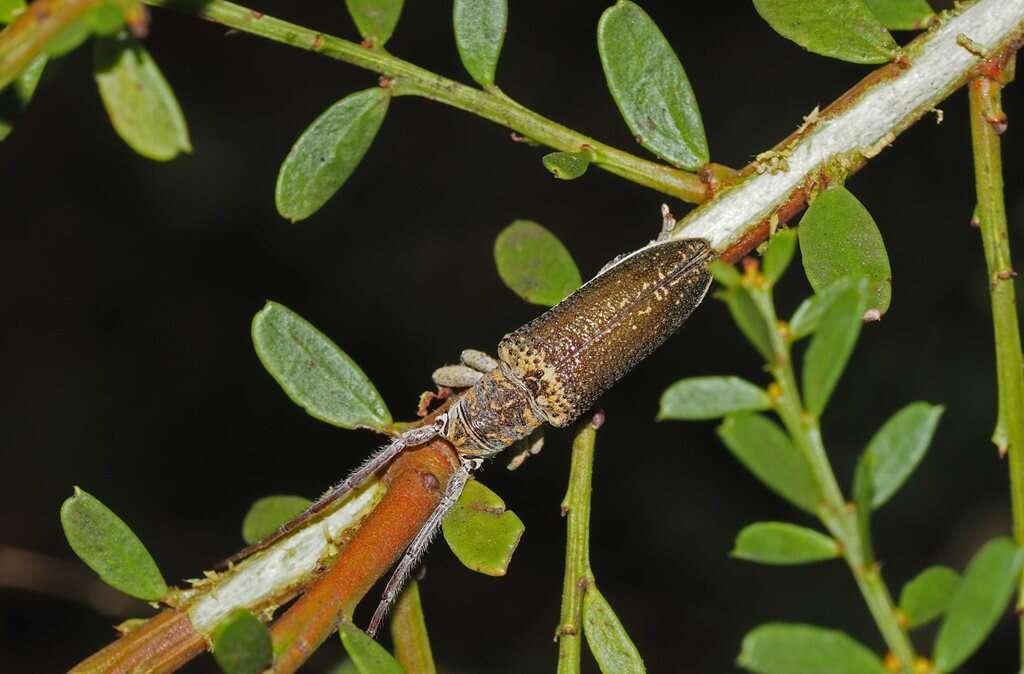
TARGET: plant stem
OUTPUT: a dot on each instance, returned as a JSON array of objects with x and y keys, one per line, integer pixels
[
  {"x": 987, "y": 121},
  {"x": 409, "y": 79},
  {"x": 838, "y": 516},
  {"x": 409, "y": 633},
  {"x": 578, "y": 576}
]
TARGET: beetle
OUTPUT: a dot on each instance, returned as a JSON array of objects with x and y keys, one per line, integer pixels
[{"x": 549, "y": 371}]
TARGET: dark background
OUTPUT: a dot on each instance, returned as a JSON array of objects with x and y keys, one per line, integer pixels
[{"x": 129, "y": 285}]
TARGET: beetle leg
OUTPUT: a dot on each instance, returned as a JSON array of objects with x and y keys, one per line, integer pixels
[
  {"x": 456, "y": 376},
  {"x": 452, "y": 492},
  {"x": 526, "y": 448},
  {"x": 478, "y": 360}
]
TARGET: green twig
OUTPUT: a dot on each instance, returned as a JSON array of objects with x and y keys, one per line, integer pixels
[
  {"x": 404, "y": 78},
  {"x": 578, "y": 576},
  {"x": 409, "y": 633},
  {"x": 838, "y": 516},
  {"x": 987, "y": 122}
]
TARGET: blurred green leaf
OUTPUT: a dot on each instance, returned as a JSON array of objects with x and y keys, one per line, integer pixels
[
  {"x": 534, "y": 264},
  {"x": 328, "y": 151},
  {"x": 899, "y": 445},
  {"x": 838, "y": 237},
  {"x": 609, "y": 643},
  {"x": 479, "y": 34},
  {"x": 841, "y": 29},
  {"x": 807, "y": 316},
  {"x": 901, "y": 14},
  {"x": 782, "y": 543},
  {"x": 375, "y": 19},
  {"x": 368, "y": 656},
  {"x": 780, "y": 648},
  {"x": 779, "y": 254},
  {"x": 106, "y": 19},
  {"x": 110, "y": 548},
  {"x": 927, "y": 596},
  {"x": 139, "y": 102},
  {"x": 831, "y": 346},
  {"x": 268, "y": 514},
  {"x": 749, "y": 319},
  {"x": 10, "y": 9},
  {"x": 314, "y": 372},
  {"x": 978, "y": 602},
  {"x": 16, "y": 97},
  {"x": 241, "y": 644},
  {"x": 711, "y": 398},
  {"x": 863, "y": 495},
  {"x": 567, "y": 165},
  {"x": 71, "y": 37},
  {"x": 481, "y": 532},
  {"x": 650, "y": 86},
  {"x": 725, "y": 273},
  {"x": 768, "y": 453}
]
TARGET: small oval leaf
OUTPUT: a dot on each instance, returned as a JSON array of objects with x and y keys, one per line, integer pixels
[
  {"x": 110, "y": 548},
  {"x": 978, "y": 602},
  {"x": 841, "y": 29},
  {"x": 779, "y": 254},
  {"x": 567, "y": 165},
  {"x": 780, "y": 648},
  {"x": 534, "y": 264},
  {"x": 838, "y": 237},
  {"x": 902, "y": 14},
  {"x": 269, "y": 513},
  {"x": 711, "y": 398},
  {"x": 480, "y": 27},
  {"x": 807, "y": 316},
  {"x": 16, "y": 97},
  {"x": 782, "y": 543},
  {"x": 927, "y": 596},
  {"x": 650, "y": 86},
  {"x": 768, "y": 453},
  {"x": 139, "y": 102},
  {"x": 375, "y": 19},
  {"x": 725, "y": 273},
  {"x": 367, "y": 655},
  {"x": 481, "y": 532},
  {"x": 607, "y": 638},
  {"x": 749, "y": 319},
  {"x": 314, "y": 372},
  {"x": 899, "y": 445},
  {"x": 10, "y": 10},
  {"x": 241, "y": 644},
  {"x": 831, "y": 346},
  {"x": 328, "y": 151}
]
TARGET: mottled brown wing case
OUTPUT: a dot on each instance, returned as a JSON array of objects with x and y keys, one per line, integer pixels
[{"x": 571, "y": 354}]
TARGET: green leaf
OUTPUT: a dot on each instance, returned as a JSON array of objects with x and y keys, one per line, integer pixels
[
  {"x": 831, "y": 346},
  {"x": 71, "y": 37},
  {"x": 782, "y": 543},
  {"x": 725, "y": 273},
  {"x": 650, "y": 86},
  {"x": 481, "y": 532},
  {"x": 268, "y": 514},
  {"x": 375, "y": 19},
  {"x": 139, "y": 102},
  {"x": 749, "y": 319},
  {"x": 768, "y": 453},
  {"x": 241, "y": 644},
  {"x": 841, "y": 29},
  {"x": 567, "y": 165},
  {"x": 314, "y": 372},
  {"x": 328, "y": 151},
  {"x": 781, "y": 648},
  {"x": 711, "y": 398},
  {"x": 902, "y": 14},
  {"x": 10, "y": 9},
  {"x": 899, "y": 446},
  {"x": 863, "y": 495},
  {"x": 106, "y": 19},
  {"x": 838, "y": 237},
  {"x": 779, "y": 254},
  {"x": 807, "y": 316},
  {"x": 479, "y": 33},
  {"x": 110, "y": 548},
  {"x": 16, "y": 97},
  {"x": 368, "y": 656},
  {"x": 534, "y": 264},
  {"x": 978, "y": 602},
  {"x": 609, "y": 643},
  {"x": 927, "y": 596}
]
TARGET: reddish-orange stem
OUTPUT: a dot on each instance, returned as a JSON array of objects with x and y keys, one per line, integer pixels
[{"x": 163, "y": 644}]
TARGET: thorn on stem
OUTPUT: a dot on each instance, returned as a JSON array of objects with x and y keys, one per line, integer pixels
[
  {"x": 598, "y": 419},
  {"x": 998, "y": 122}
]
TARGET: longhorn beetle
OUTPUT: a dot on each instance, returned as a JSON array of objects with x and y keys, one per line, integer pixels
[{"x": 549, "y": 371}]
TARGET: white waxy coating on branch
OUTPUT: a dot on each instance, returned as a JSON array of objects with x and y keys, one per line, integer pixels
[
  {"x": 937, "y": 64},
  {"x": 267, "y": 574}
]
